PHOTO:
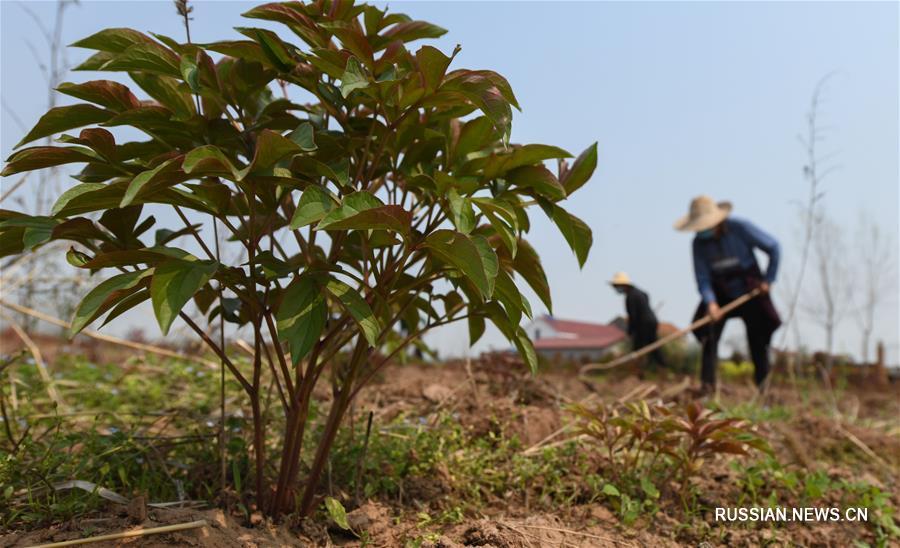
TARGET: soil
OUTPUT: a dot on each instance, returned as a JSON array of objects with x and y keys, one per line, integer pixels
[{"x": 495, "y": 393}]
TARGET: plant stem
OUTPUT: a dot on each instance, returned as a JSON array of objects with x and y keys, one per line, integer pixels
[{"x": 338, "y": 407}]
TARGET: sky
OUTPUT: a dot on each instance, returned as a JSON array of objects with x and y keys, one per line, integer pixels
[{"x": 683, "y": 98}]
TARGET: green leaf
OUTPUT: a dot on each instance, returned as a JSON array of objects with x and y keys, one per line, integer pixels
[
  {"x": 538, "y": 178},
  {"x": 96, "y": 61},
  {"x": 127, "y": 304},
  {"x": 210, "y": 160},
  {"x": 104, "y": 296},
  {"x": 88, "y": 197},
  {"x": 461, "y": 212},
  {"x": 460, "y": 251},
  {"x": 512, "y": 299},
  {"x": 131, "y": 257},
  {"x": 61, "y": 119},
  {"x": 496, "y": 165},
  {"x": 488, "y": 91},
  {"x": 528, "y": 264},
  {"x": 610, "y": 489},
  {"x": 488, "y": 259},
  {"x": 190, "y": 73},
  {"x": 239, "y": 49},
  {"x": 354, "y": 77},
  {"x": 648, "y": 488},
  {"x": 351, "y": 205},
  {"x": 275, "y": 50},
  {"x": 357, "y": 307},
  {"x": 304, "y": 137},
  {"x": 147, "y": 57},
  {"x": 526, "y": 350},
  {"x": 29, "y": 159},
  {"x": 74, "y": 192},
  {"x": 161, "y": 172},
  {"x": 476, "y": 328},
  {"x": 433, "y": 65},
  {"x": 170, "y": 92},
  {"x": 11, "y": 241},
  {"x": 576, "y": 232},
  {"x": 106, "y": 93},
  {"x": 353, "y": 40},
  {"x": 337, "y": 173},
  {"x": 114, "y": 40},
  {"x": 407, "y": 31},
  {"x": 174, "y": 283},
  {"x": 475, "y": 135},
  {"x": 337, "y": 513},
  {"x": 37, "y": 229},
  {"x": 387, "y": 217},
  {"x": 500, "y": 319},
  {"x": 581, "y": 170},
  {"x": 292, "y": 15},
  {"x": 271, "y": 147},
  {"x": 315, "y": 203},
  {"x": 301, "y": 316},
  {"x": 76, "y": 258}
]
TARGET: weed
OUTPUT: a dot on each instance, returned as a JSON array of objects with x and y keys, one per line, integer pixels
[
  {"x": 881, "y": 512},
  {"x": 754, "y": 413},
  {"x": 130, "y": 445},
  {"x": 768, "y": 483}
]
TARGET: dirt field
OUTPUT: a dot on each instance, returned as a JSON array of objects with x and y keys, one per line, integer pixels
[{"x": 495, "y": 397}]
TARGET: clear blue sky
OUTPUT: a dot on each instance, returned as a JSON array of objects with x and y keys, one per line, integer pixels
[{"x": 684, "y": 98}]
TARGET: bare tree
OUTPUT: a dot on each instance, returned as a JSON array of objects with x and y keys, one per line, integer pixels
[
  {"x": 877, "y": 263},
  {"x": 53, "y": 66},
  {"x": 829, "y": 304},
  {"x": 815, "y": 170}
]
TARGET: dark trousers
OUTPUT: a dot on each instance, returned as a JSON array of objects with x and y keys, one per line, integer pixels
[
  {"x": 644, "y": 337},
  {"x": 758, "y": 322}
]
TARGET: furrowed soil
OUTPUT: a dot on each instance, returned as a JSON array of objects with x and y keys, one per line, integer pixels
[{"x": 494, "y": 396}]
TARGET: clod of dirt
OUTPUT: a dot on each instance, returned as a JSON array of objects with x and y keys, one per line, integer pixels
[
  {"x": 442, "y": 542},
  {"x": 137, "y": 509},
  {"x": 602, "y": 513},
  {"x": 436, "y": 393},
  {"x": 256, "y": 518},
  {"x": 487, "y": 534},
  {"x": 371, "y": 517}
]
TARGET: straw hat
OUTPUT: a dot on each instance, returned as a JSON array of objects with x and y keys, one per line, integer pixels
[
  {"x": 703, "y": 214},
  {"x": 620, "y": 279}
]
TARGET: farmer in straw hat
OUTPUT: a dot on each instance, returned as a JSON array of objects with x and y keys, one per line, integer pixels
[
  {"x": 726, "y": 268},
  {"x": 642, "y": 324}
]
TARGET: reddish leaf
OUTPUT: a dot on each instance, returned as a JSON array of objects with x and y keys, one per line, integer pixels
[
  {"x": 32, "y": 158},
  {"x": 107, "y": 93},
  {"x": 60, "y": 119}
]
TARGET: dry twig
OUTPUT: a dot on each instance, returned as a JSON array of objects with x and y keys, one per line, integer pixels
[
  {"x": 38, "y": 362},
  {"x": 130, "y": 534}
]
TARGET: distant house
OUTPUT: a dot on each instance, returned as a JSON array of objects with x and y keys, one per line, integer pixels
[{"x": 568, "y": 340}]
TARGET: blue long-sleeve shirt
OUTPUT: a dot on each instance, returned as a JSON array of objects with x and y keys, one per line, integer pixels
[{"x": 731, "y": 253}]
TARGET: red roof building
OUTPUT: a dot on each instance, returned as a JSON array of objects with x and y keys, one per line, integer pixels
[{"x": 556, "y": 338}]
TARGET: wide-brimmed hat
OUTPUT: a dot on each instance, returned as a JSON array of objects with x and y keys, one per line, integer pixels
[
  {"x": 703, "y": 214},
  {"x": 620, "y": 278}
]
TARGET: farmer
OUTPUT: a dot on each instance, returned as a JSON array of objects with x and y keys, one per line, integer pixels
[
  {"x": 726, "y": 268},
  {"x": 642, "y": 324}
]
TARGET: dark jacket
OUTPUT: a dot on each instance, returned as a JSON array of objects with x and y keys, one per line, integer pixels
[{"x": 642, "y": 323}]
